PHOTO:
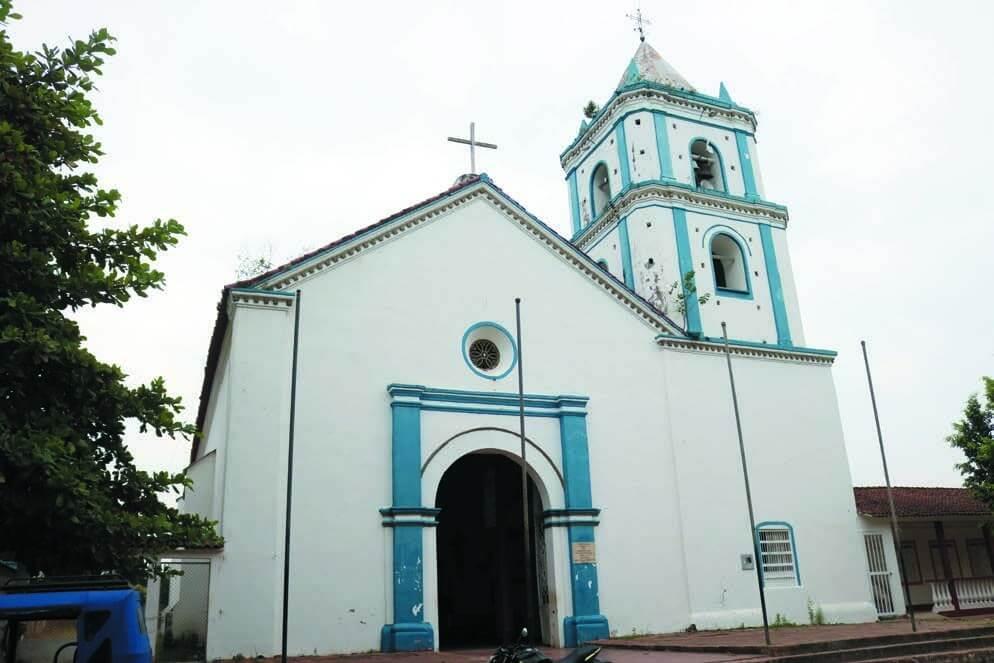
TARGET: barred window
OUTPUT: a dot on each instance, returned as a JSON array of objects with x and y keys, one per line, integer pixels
[{"x": 776, "y": 551}]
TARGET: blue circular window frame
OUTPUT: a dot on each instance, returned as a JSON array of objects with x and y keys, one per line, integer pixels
[{"x": 510, "y": 339}]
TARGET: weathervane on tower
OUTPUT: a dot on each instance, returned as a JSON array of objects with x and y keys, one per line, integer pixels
[{"x": 640, "y": 22}]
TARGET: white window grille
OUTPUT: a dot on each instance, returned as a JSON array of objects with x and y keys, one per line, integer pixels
[{"x": 776, "y": 551}]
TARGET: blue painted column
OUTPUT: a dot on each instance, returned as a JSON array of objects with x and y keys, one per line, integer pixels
[
  {"x": 745, "y": 163},
  {"x": 626, "y": 254},
  {"x": 663, "y": 146},
  {"x": 686, "y": 261},
  {"x": 407, "y": 518},
  {"x": 586, "y": 623},
  {"x": 622, "y": 145},
  {"x": 776, "y": 286},
  {"x": 574, "y": 201}
]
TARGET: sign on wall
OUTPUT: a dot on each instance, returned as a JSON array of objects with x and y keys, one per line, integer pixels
[{"x": 584, "y": 553}]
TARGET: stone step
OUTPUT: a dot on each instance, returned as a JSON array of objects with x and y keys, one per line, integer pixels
[
  {"x": 782, "y": 650},
  {"x": 910, "y": 650},
  {"x": 956, "y": 656}
]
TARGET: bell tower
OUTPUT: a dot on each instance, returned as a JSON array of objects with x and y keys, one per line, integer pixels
[{"x": 665, "y": 193}]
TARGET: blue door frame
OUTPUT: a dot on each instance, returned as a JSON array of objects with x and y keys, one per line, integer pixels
[{"x": 407, "y": 517}]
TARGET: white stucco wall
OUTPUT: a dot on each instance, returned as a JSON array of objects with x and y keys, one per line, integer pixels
[
  {"x": 798, "y": 474},
  {"x": 251, "y": 467},
  {"x": 671, "y": 529},
  {"x": 609, "y": 250}
]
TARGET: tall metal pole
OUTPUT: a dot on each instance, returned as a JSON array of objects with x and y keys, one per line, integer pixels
[
  {"x": 895, "y": 531},
  {"x": 289, "y": 473},
  {"x": 524, "y": 469},
  {"x": 757, "y": 557}
]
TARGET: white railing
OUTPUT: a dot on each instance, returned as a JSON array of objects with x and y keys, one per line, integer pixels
[{"x": 971, "y": 594}]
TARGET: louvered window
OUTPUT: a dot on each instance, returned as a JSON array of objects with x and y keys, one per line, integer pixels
[{"x": 776, "y": 550}]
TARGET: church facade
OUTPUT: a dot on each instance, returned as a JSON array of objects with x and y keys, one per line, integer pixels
[{"x": 407, "y": 527}]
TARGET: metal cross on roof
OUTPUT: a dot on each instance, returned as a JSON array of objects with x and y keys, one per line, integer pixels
[
  {"x": 640, "y": 22},
  {"x": 473, "y": 144}
]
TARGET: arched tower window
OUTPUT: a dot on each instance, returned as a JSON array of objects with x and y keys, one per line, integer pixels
[
  {"x": 600, "y": 189},
  {"x": 728, "y": 263},
  {"x": 706, "y": 163}
]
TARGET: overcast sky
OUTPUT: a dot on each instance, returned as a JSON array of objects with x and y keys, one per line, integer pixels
[{"x": 282, "y": 126}]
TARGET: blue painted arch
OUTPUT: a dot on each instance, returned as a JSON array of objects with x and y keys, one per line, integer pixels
[
  {"x": 594, "y": 213},
  {"x": 736, "y": 239}
]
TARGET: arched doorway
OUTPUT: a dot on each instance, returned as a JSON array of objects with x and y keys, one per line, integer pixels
[{"x": 482, "y": 599}]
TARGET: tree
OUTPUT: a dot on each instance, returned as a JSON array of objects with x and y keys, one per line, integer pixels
[
  {"x": 974, "y": 436},
  {"x": 590, "y": 110},
  {"x": 71, "y": 498}
]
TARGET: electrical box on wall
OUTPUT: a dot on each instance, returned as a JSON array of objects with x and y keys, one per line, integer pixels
[{"x": 748, "y": 562}]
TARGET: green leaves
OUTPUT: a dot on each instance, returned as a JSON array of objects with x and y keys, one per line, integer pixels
[
  {"x": 974, "y": 436},
  {"x": 72, "y": 499}
]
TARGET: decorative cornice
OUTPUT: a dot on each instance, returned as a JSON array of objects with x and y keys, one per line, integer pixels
[
  {"x": 488, "y": 193},
  {"x": 749, "y": 349},
  {"x": 253, "y": 298},
  {"x": 647, "y": 91},
  {"x": 485, "y": 402},
  {"x": 674, "y": 193}
]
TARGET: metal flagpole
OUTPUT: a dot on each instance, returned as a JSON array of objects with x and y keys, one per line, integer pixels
[
  {"x": 757, "y": 557},
  {"x": 895, "y": 531},
  {"x": 524, "y": 468},
  {"x": 289, "y": 473}
]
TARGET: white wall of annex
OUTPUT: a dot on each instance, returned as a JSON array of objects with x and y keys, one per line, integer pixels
[
  {"x": 881, "y": 526},
  {"x": 246, "y": 578},
  {"x": 798, "y": 473}
]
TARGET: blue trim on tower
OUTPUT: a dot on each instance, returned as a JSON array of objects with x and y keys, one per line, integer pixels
[
  {"x": 607, "y": 106},
  {"x": 686, "y": 261},
  {"x": 622, "y": 144},
  {"x": 745, "y": 163},
  {"x": 626, "y": 254},
  {"x": 663, "y": 145},
  {"x": 776, "y": 287},
  {"x": 793, "y": 546},
  {"x": 510, "y": 339},
  {"x": 574, "y": 201}
]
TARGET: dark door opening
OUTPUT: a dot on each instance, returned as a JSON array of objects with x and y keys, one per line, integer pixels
[{"x": 481, "y": 573}]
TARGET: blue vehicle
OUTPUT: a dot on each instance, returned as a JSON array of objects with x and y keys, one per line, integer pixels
[{"x": 94, "y": 619}]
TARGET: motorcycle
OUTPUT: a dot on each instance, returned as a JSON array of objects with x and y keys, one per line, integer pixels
[{"x": 521, "y": 652}]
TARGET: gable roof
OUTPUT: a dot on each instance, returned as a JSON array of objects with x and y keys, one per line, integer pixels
[
  {"x": 465, "y": 189},
  {"x": 911, "y": 502}
]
